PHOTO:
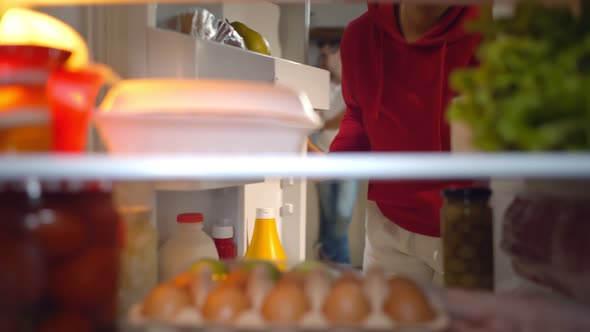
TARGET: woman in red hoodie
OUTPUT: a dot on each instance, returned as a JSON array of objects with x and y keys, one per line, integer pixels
[{"x": 396, "y": 62}]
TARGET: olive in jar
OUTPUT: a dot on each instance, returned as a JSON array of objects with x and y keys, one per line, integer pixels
[{"x": 467, "y": 236}]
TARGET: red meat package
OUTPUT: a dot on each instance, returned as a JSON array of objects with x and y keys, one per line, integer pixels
[{"x": 548, "y": 240}]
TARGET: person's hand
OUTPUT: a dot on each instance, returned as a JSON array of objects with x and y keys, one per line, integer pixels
[
  {"x": 334, "y": 123},
  {"x": 312, "y": 148},
  {"x": 487, "y": 312}
]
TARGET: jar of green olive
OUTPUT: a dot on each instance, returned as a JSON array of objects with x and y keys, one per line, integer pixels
[{"x": 467, "y": 237}]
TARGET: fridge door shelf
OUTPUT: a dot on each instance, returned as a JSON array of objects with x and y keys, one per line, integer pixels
[{"x": 173, "y": 54}]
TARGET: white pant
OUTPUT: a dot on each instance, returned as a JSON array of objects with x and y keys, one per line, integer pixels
[{"x": 398, "y": 251}]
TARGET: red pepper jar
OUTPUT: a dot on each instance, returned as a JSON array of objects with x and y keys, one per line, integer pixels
[{"x": 223, "y": 236}]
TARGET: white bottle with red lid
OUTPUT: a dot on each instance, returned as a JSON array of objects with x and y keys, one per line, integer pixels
[{"x": 187, "y": 244}]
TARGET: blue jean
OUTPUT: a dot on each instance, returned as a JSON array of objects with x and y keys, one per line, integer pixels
[{"x": 337, "y": 199}]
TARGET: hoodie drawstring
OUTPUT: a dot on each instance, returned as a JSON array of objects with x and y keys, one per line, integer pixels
[
  {"x": 380, "y": 75},
  {"x": 441, "y": 91}
]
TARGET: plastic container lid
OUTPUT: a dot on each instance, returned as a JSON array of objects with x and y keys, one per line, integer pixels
[
  {"x": 212, "y": 98},
  {"x": 187, "y": 218},
  {"x": 265, "y": 213},
  {"x": 222, "y": 232}
]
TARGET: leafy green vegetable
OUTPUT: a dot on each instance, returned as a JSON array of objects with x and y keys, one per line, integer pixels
[{"x": 532, "y": 89}]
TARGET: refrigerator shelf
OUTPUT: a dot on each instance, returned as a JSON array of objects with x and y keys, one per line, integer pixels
[
  {"x": 394, "y": 166},
  {"x": 105, "y": 2}
]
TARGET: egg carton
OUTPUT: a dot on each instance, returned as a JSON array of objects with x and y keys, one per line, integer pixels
[{"x": 318, "y": 289}]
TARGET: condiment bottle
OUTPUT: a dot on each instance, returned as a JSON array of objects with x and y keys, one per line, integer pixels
[
  {"x": 467, "y": 237},
  {"x": 265, "y": 243},
  {"x": 188, "y": 244},
  {"x": 223, "y": 236}
]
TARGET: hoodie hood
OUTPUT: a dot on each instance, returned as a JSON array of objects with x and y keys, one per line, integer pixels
[{"x": 448, "y": 29}]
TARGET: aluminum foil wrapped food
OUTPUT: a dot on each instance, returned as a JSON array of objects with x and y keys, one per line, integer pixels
[{"x": 201, "y": 23}]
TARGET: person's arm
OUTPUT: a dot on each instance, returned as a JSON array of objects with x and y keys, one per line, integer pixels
[
  {"x": 312, "y": 148},
  {"x": 334, "y": 122},
  {"x": 351, "y": 136}
]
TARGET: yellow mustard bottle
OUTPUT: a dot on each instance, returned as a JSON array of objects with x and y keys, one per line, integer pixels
[{"x": 265, "y": 243}]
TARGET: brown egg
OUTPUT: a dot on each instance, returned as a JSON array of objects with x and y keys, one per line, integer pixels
[
  {"x": 225, "y": 303},
  {"x": 285, "y": 303},
  {"x": 165, "y": 301},
  {"x": 66, "y": 322},
  {"x": 58, "y": 231},
  {"x": 86, "y": 281},
  {"x": 406, "y": 303},
  {"x": 346, "y": 303},
  {"x": 237, "y": 278},
  {"x": 183, "y": 280}
]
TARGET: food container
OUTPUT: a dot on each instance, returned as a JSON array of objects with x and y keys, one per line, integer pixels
[
  {"x": 25, "y": 117},
  {"x": 47, "y": 87},
  {"x": 255, "y": 296},
  {"x": 139, "y": 257},
  {"x": 164, "y": 116},
  {"x": 467, "y": 237},
  {"x": 60, "y": 244},
  {"x": 546, "y": 235}
]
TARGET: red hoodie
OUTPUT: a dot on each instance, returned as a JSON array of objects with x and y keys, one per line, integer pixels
[{"x": 396, "y": 94}]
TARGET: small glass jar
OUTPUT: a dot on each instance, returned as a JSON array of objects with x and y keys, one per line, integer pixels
[
  {"x": 467, "y": 237},
  {"x": 60, "y": 244},
  {"x": 139, "y": 259}
]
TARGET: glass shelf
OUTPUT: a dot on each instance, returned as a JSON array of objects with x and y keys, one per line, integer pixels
[
  {"x": 250, "y": 167},
  {"x": 106, "y": 2}
]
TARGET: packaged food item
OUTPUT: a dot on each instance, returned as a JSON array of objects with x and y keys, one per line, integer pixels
[
  {"x": 139, "y": 258},
  {"x": 187, "y": 244},
  {"x": 467, "y": 236},
  {"x": 60, "y": 245},
  {"x": 24, "y": 110},
  {"x": 48, "y": 87},
  {"x": 253, "y": 298},
  {"x": 160, "y": 116},
  {"x": 546, "y": 233},
  {"x": 223, "y": 236},
  {"x": 265, "y": 243},
  {"x": 201, "y": 23}
]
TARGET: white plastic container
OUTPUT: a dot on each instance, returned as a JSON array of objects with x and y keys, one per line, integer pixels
[
  {"x": 188, "y": 244},
  {"x": 204, "y": 116}
]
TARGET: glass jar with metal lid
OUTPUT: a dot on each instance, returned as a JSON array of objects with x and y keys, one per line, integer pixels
[{"x": 467, "y": 237}]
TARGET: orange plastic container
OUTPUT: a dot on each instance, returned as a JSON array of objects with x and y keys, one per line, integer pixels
[{"x": 43, "y": 106}]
